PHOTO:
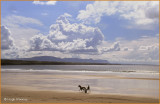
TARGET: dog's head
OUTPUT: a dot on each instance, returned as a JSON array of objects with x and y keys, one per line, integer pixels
[{"x": 79, "y": 85}]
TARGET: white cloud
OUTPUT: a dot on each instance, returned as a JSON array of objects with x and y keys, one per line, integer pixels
[
  {"x": 66, "y": 37},
  {"x": 138, "y": 12},
  {"x": 11, "y": 53},
  {"x": 95, "y": 11},
  {"x": 20, "y": 20},
  {"x": 20, "y": 28},
  {"x": 44, "y": 2},
  {"x": 8, "y": 48},
  {"x": 143, "y": 50},
  {"x": 114, "y": 47},
  {"x": 40, "y": 42},
  {"x": 6, "y": 39}
]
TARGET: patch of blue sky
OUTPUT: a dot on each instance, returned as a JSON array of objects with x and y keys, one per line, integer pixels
[
  {"x": 112, "y": 26},
  {"x": 115, "y": 27},
  {"x": 47, "y": 14}
]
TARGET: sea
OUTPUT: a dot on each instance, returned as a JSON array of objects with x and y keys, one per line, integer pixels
[{"x": 134, "y": 80}]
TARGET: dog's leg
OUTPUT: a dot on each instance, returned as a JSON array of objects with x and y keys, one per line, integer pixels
[
  {"x": 79, "y": 89},
  {"x": 85, "y": 90}
]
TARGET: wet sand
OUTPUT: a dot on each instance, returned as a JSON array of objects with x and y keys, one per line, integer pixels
[
  {"x": 10, "y": 95},
  {"x": 119, "y": 77}
]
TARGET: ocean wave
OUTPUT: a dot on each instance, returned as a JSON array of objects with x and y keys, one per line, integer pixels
[{"x": 79, "y": 71}]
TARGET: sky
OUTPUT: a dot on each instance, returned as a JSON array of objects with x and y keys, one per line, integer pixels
[{"x": 117, "y": 31}]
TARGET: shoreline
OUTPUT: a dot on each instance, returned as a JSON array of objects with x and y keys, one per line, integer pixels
[{"x": 11, "y": 95}]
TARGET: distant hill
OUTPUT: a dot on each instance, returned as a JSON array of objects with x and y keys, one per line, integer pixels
[
  {"x": 26, "y": 62},
  {"x": 56, "y": 59}
]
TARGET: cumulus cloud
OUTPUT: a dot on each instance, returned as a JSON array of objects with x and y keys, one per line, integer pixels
[
  {"x": 140, "y": 13},
  {"x": 144, "y": 49},
  {"x": 40, "y": 42},
  {"x": 9, "y": 49},
  {"x": 21, "y": 29},
  {"x": 10, "y": 54},
  {"x": 151, "y": 51},
  {"x": 6, "y": 39},
  {"x": 66, "y": 37},
  {"x": 44, "y": 3},
  {"x": 145, "y": 54},
  {"x": 114, "y": 47}
]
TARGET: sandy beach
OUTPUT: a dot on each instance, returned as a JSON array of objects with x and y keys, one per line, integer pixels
[
  {"x": 56, "y": 86},
  {"x": 10, "y": 95}
]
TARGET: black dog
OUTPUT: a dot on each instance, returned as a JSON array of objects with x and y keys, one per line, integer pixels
[{"x": 83, "y": 88}]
